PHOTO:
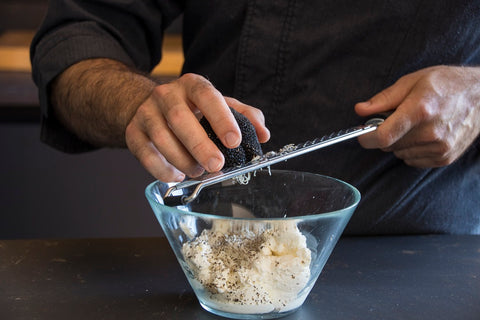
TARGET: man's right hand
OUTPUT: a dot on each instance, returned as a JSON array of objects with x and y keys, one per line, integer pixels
[
  {"x": 167, "y": 138},
  {"x": 107, "y": 104}
]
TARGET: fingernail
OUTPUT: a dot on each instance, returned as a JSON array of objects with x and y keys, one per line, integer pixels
[
  {"x": 232, "y": 139},
  {"x": 197, "y": 171},
  {"x": 214, "y": 165},
  {"x": 180, "y": 177},
  {"x": 267, "y": 132},
  {"x": 366, "y": 103}
]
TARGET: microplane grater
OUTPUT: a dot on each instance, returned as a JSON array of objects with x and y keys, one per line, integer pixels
[{"x": 268, "y": 159}]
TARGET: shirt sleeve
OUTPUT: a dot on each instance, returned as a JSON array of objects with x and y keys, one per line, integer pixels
[{"x": 129, "y": 31}]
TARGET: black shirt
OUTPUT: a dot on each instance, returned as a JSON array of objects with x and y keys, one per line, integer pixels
[{"x": 305, "y": 64}]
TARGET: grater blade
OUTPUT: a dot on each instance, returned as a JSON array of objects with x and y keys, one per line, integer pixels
[{"x": 268, "y": 159}]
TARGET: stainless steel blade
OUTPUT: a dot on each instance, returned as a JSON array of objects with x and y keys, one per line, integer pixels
[{"x": 268, "y": 159}]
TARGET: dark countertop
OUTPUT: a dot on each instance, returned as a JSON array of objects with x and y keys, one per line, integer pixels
[{"x": 404, "y": 277}]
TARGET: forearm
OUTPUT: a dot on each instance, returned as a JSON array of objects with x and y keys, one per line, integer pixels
[{"x": 96, "y": 99}]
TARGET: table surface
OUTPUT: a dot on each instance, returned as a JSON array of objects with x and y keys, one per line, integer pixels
[{"x": 402, "y": 277}]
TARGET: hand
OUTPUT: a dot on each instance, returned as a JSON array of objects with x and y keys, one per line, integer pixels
[
  {"x": 167, "y": 138},
  {"x": 436, "y": 117}
]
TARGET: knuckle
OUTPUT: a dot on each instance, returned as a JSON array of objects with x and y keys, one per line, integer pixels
[
  {"x": 190, "y": 77},
  {"x": 256, "y": 113},
  {"x": 443, "y": 154},
  {"x": 147, "y": 159},
  {"x": 443, "y": 149},
  {"x": 163, "y": 90},
  {"x": 434, "y": 74},
  {"x": 425, "y": 110},
  {"x": 142, "y": 111},
  {"x": 437, "y": 135},
  {"x": 198, "y": 148},
  {"x": 382, "y": 96},
  {"x": 149, "y": 122},
  {"x": 204, "y": 92},
  {"x": 385, "y": 94},
  {"x": 384, "y": 139},
  {"x": 406, "y": 78},
  {"x": 203, "y": 89},
  {"x": 158, "y": 138},
  {"x": 176, "y": 115},
  {"x": 428, "y": 137}
]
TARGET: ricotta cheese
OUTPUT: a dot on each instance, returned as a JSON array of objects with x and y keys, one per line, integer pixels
[{"x": 250, "y": 267}]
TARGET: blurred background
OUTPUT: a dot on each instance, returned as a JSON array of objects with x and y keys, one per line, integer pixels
[{"x": 48, "y": 194}]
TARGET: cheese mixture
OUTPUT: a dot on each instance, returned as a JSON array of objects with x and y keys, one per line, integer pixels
[{"x": 249, "y": 268}]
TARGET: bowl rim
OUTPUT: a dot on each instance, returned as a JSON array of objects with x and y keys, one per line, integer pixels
[{"x": 357, "y": 197}]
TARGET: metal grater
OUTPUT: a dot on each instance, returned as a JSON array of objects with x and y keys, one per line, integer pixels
[{"x": 269, "y": 158}]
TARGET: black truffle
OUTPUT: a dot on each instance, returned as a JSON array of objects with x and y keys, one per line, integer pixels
[{"x": 249, "y": 147}]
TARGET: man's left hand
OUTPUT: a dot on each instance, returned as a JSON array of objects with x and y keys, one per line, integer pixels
[{"x": 436, "y": 115}]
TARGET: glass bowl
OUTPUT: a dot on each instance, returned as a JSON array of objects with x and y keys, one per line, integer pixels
[{"x": 255, "y": 250}]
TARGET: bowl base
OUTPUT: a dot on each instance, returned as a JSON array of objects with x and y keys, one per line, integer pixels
[{"x": 269, "y": 315}]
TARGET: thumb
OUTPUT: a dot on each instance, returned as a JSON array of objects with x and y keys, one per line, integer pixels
[{"x": 386, "y": 100}]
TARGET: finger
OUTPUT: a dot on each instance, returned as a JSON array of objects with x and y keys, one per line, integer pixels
[
  {"x": 201, "y": 93},
  {"x": 155, "y": 127},
  {"x": 255, "y": 116},
  {"x": 418, "y": 152},
  {"x": 387, "y": 99},
  {"x": 412, "y": 112},
  {"x": 150, "y": 158},
  {"x": 422, "y": 134},
  {"x": 436, "y": 153},
  {"x": 426, "y": 162},
  {"x": 389, "y": 132},
  {"x": 186, "y": 132}
]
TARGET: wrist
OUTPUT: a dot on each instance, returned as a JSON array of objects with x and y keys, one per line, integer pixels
[{"x": 96, "y": 99}]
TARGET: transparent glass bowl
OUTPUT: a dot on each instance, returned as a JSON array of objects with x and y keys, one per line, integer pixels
[{"x": 254, "y": 251}]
